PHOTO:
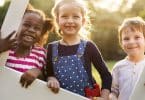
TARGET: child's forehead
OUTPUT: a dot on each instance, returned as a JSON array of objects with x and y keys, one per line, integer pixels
[
  {"x": 70, "y": 9},
  {"x": 72, "y": 5},
  {"x": 33, "y": 15},
  {"x": 131, "y": 31},
  {"x": 133, "y": 28}
]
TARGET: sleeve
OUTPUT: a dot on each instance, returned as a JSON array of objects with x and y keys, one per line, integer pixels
[
  {"x": 42, "y": 58},
  {"x": 48, "y": 69},
  {"x": 115, "y": 82},
  {"x": 100, "y": 66}
]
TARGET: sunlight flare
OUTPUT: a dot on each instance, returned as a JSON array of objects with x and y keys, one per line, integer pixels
[{"x": 2, "y": 2}]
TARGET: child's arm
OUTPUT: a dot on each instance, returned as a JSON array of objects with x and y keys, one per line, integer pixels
[
  {"x": 7, "y": 43},
  {"x": 29, "y": 76},
  {"x": 112, "y": 96},
  {"x": 101, "y": 67},
  {"x": 105, "y": 94},
  {"x": 115, "y": 85},
  {"x": 53, "y": 84}
]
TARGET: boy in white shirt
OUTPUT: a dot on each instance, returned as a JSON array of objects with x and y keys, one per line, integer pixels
[{"x": 127, "y": 71}]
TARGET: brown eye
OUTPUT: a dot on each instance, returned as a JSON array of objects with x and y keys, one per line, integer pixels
[
  {"x": 65, "y": 17},
  {"x": 126, "y": 39},
  {"x": 38, "y": 28},
  {"x": 137, "y": 37},
  {"x": 26, "y": 25},
  {"x": 76, "y": 17}
]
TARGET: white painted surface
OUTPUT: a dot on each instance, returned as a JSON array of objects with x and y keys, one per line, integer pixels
[
  {"x": 12, "y": 21},
  {"x": 10, "y": 89}
]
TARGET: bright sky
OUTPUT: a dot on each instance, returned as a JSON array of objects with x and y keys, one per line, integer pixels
[
  {"x": 1, "y": 2},
  {"x": 112, "y": 5}
]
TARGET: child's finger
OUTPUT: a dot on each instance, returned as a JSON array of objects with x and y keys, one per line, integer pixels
[
  {"x": 22, "y": 80},
  {"x": 29, "y": 82},
  {"x": 55, "y": 90},
  {"x": 10, "y": 35},
  {"x": 49, "y": 84},
  {"x": 56, "y": 85}
]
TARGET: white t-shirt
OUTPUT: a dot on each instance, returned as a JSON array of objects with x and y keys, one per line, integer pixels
[{"x": 125, "y": 75}]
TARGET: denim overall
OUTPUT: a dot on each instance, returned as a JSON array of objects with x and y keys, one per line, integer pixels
[{"x": 70, "y": 70}]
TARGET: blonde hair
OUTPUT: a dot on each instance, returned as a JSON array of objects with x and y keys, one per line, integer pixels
[
  {"x": 134, "y": 23},
  {"x": 58, "y": 4}
]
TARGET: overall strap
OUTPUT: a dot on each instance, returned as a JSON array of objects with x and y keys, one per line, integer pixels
[
  {"x": 81, "y": 48},
  {"x": 55, "y": 51},
  {"x": 80, "y": 54}
]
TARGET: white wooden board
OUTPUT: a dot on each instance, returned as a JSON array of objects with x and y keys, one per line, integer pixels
[
  {"x": 12, "y": 21},
  {"x": 10, "y": 89},
  {"x": 138, "y": 92}
]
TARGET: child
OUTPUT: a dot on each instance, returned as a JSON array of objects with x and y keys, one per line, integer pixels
[
  {"x": 127, "y": 71},
  {"x": 27, "y": 57},
  {"x": 70, "y": 58},
  {"x": 7, "y": 43}
]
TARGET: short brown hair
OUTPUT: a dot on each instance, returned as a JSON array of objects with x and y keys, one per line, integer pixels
[{"x": 134, "y": 23}]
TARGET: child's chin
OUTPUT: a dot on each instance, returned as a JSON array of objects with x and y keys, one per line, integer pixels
[{"x": 27, "y": 44}]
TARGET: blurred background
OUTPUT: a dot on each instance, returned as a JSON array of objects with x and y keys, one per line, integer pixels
[{"x": 105, "y": 16}]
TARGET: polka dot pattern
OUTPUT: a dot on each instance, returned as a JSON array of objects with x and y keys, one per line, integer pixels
[{"x": 70, "y": 71}]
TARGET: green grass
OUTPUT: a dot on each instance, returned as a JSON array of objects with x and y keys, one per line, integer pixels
[{"x": 110, "y": 65}]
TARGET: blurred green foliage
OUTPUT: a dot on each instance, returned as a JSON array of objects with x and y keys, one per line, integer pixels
[
  {"x": 96, "y": 76},
  {"x": 104, "y": 24},
  {"x": 3, "y": 10}
]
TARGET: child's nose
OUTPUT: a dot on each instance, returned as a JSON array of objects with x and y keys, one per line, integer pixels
[
  {"x": 70, "y": 20},
  {"x": 132, "y": 41},
  {"x": 31, "y": 29}
]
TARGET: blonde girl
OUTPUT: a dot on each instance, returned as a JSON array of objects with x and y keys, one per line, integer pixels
[{"x": 69, "y": 59}]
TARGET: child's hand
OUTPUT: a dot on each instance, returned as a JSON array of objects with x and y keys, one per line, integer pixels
[
  {"x": 7, "y": 43},
  {"x": 29, "y": 76},
  {"x": 105, "y": 94},
  {"x": 53, "y": 84},
  {"x": 112, "y": 96},
  {"x": 97, "y": 98}
]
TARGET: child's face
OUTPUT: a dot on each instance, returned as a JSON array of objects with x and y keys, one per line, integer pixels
[
  {"x": 30, "y": 29},
  {"x": 70, "y": 19},
  {"x": 133, "y": 42}
]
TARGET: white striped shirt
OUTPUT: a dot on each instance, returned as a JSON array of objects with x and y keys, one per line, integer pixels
[{"x": 36, "y": 59}]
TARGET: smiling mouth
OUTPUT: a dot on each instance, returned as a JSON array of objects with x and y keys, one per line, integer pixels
[
  {"x": 132, "y": 48},
  {"x": 70, "y": 27},
  {"x": 28, "y": 38}
]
